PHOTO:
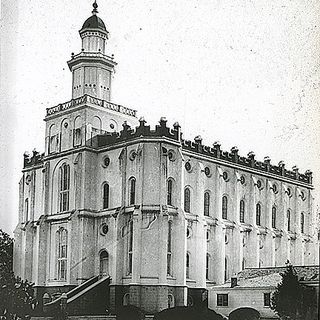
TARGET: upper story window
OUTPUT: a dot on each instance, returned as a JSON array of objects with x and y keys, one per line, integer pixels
[
  {"x": 106, "y": 195},
  {"x": 224, "y": 207},
  {"x": 62, "y": 248},
  {"x": 206, "y": 209},
  {"x": 302, "y": 222},
  {"x": 258, "y": 214},
  {"x": 26, "y": 209},
  {"x": 242, "y": 208},
  {"x": 207, "y": 266},
  {"x": 288, "y": 220},
  {"x": 188, "y": 265},
  {"x": 169, "y": 192},
  {"x": 273, "y": 217},
  {"x": 222, "y": 299},
  {"x": 169, "y": 249},
  {"x": 64, "y": 187},
  {"x": 187, "y": 200},
  {"x": 132, "y": 190}
]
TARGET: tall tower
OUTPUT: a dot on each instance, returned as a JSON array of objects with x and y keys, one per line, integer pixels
[{"x": 92, "y": 68}]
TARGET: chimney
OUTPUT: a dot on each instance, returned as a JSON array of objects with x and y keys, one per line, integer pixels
[{"x": 234, "y": 282}]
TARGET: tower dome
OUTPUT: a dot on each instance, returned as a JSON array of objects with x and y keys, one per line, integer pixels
[{"x": 94, "y": 22}]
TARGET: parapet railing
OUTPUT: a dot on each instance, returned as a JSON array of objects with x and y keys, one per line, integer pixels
[{"x": 92, "y": 100}]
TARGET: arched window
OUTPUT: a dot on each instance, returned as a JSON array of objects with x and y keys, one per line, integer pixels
[
  {"x": 170, "y": 301},
  {"x": 104, "y": 263},
  {"x": 225, "y": 269},
  {"x": 258, "y": 214},
  {"x": 132, "y": 190},
  {"x": 130, "y": 247},
  {"x": 126, "y": 299},
  {"x": 61, "y": 247},
  {"x": 188, "y": 265},
  {"x": 224, "y": 207},
  {"x": 64, "y": 187},
  {"x": 206, "y": 209},
  {"x": 26, "y": 209},
  {"x": 207, "y": 266},
  {"x": 243, "y": 263},
  {"x": 169, "y": 249},
  {"x": 242, "y": 208},
  {"x": 105, "y": 195},
  {"x": 187, "y": 200},
  {"x": 273, "y": 217},
  {"x": 169, "y": 192},
  {"x": 302, "y": 222},
  {"x": 288, "y": 220}
]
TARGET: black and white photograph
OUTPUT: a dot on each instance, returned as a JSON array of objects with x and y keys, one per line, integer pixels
[{"x": 159, "y": 160}]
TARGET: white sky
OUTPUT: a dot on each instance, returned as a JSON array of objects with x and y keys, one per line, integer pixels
[{"x": 243, "y": 72}]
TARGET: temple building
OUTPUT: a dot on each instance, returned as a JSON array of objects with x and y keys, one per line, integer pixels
[{"x": 115, "y": 212}]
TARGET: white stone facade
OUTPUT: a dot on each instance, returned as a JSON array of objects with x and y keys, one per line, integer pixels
[{"x": 99, "y": 201}]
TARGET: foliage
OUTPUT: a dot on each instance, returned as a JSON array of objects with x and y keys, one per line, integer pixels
[
  {"x": 187, "y": 313},
  {"x": 130, "y": 312},
  {"x": 292, "y": 300},
  {"x": 16, "y": 295},
  {"x": 244, "y": 314}
]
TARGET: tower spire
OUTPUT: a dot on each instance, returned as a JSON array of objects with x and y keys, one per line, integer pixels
[{"x": 95, "y": 6}]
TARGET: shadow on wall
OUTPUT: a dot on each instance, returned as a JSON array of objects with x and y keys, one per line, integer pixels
[
  {"x": 130, "y": 313},
  {"x": 244, "y": 314}
]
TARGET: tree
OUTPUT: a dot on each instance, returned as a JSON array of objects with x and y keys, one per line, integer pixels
[
  {"x": 16, "y": 295},
  {"x": 292, "y": 300}
]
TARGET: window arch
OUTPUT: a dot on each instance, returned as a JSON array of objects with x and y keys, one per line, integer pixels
[
  {"x": 169, "y": 249},
  {"x": 132, "y": 190},
  {"x": 187, "y": 199},
  {"x": 273, "y": 217},
  {"x": 170, "y": 300},
  {"x": 242, "y": 210},
  {"x": 188, "y": 265},
  {"x": 224, "y": 207},
  {"x": 104, "y": 263},
  {"x": 207, "y": 265},
  {"x": 64, "y": 187},
  {"x": 126, "y": 299},
  {"x": 62, "y": 251},
  {"x": 258, "y": 214},
  {"x": 169, "y": 191},
  {"x": 130, "y": 247},
  {"x": 106, "y": 195},
  {"x": 206, "y": 208},
  {"x": 302, "y": 222},
  {"x": 288, "y": 220},
  {"x": 26, "y": 210},
  {"x": 225, "y": 269}
]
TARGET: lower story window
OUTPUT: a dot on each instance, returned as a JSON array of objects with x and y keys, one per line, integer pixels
[
  {"x": 267, "y": 299},
  {"x": 222, "y": 299}
]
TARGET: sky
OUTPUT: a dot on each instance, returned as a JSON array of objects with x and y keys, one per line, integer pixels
[{"x": 242, "y": 72}]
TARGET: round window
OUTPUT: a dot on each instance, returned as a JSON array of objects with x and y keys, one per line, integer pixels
[
  {"x": 111, "y": 125},
  {"x": 104, "y": 229},
  {"x": 171, "y": 155},
  {"x": 28, "y": 179},
  {"x": 132, "y": 155},
  {"x": 225, "y": 176},
  {"x": 242, "y": 180},
  {"x": 259, "y": 184},
  {"x": 188, "y": 166},
  {"x": 289, "y": 192},
  {"x": 207, "y": 171},
  {"x": 106, "y": 161},
  {"x": 275, "y": 188}
]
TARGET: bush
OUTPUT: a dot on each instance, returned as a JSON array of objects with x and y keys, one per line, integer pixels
[{"x": 130, "y": 313}]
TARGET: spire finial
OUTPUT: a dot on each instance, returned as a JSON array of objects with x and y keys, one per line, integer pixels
[{"x": 95, "y": 6}]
